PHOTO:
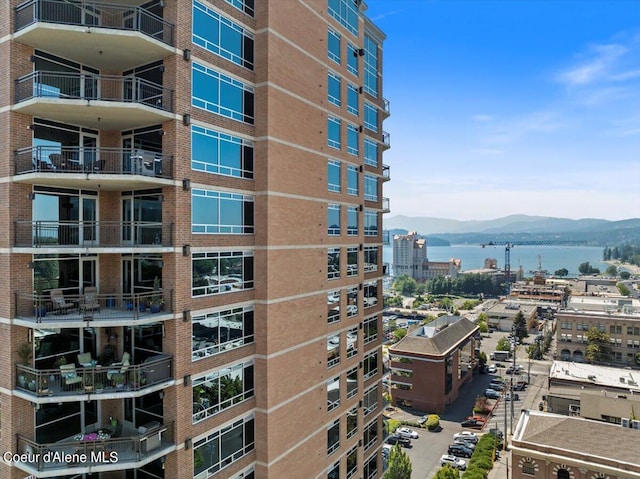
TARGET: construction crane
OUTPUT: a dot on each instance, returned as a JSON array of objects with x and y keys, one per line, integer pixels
[{"x": 507, "y": 253}]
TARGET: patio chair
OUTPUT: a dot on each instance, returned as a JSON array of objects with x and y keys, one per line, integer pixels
[
  {"x": 57, "y": 161},
  {"x": 60, "y": 304},
  {"x": 69, "y": 375},
  {"x": 123, "y": 364},
  {"x": 90, "y": 300},
  {"x": 86, "y": 360}
]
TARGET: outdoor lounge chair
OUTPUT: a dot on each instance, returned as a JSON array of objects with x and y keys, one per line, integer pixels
[
  {"x": 89, "y": 300},
  {"x": 60, "y": 304},
  {"x": 69, "y": 375},
  {"x": 86, "y": 360}
]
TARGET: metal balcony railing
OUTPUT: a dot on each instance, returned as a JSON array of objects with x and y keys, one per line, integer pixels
[
  {"x": 101, "y": 308},
  {"x": 386, "y": 208},
  {"x": 386, "y": 139},
  {"x": 88, "y": 86},
  {"x": 94, "y": 14},
  {"x": 387, "y": 106},
  {"x": 93, "y": 380},
  {"x": 132, "y": 447},
  {"x": 76, "y": 159},
  {"x": 386, "y": 173},
  {"x": 86, "y": 234}
]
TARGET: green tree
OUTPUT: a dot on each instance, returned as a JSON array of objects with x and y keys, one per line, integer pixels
[
  {"x": 482, "y": 325},
  {"x": 503, "y": 345},
  {"x": 598, "y": 346},
  {"x": 586, "y": 268},
  {"x": 561, "y": 272},
  {"x": 399, "y": 333},
  {"x": 624, "y": 291},
  {"x": 447, "y": 472},
  {"x": 625, "y": 275},
  {"x": 399, "y": 464},
  {"x": 520, "y": 326},
  {"x": 405, "y": 285},
  {"x": 482, "y": 358},
  {"x": 612, "y": 270}
]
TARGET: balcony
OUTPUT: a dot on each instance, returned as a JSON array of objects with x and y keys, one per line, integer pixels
[
  {"x": 386, "y": 107},
  {"x": 93, "y": 234},
  {"x": 385, "y": 238},
  {"x": 101, "y": 382},
  {"x": 386, "y": 208},
  {"x": 92, "y": 451},
  {"x": 106, "y": 36},
  {"x": 116, "y": 102},
  {"x": 111, "y": 168},
  {"x": 72, "y": 310},
  {"x": 386, "y": 173},
  {"x": 386, "y": 140}
]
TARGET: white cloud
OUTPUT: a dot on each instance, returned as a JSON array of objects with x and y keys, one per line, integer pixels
[
  {"x": 481, "y": 117},
  {"x": 601, "y": 59}
]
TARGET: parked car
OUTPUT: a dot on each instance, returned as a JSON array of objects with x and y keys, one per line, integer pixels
[
  {"x": 397, "y": 439},
  {"x": 491, "y": 394},
  {"x": 497, "y": 386},
  {"x": 453, "y": 461},
  {"x": 492, "y": 369},
  {"x": 497, "y": 432},
  {"x": 520, "y": 386},
  {"x": 465, "y": 443},
  {"x": 459, "y": 450},
  {"x": 406, "y": 432},
  {"x": 472, "y": 422},
  {"x": 467, "y": 436},
  {"x": 510, "y": 395}
]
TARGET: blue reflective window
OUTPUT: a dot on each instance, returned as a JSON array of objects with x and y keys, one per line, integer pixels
[
  {"x": 245, "y": 6},
  {"x": 370, "y": 188},
  {"x": 352, "y": 180},
  {"x": 334, "y": 86},
  {"x": 370, "y": 66},
  {"x": 220, "y": 94},
  {"x": 370, "y": 223},
  {"x": 346, "y": 13},
  {"x": 352, "y": 221},
  {"x": 352, "y": 59},
  {"x": 333, "y": 46},
  {"x": 353, "y": 139},
  {"x": 218, "y": 212},
  {"x": 334, "y": 172},
  {"x": 221, "y": 154},
  {"x": 370, "y": 152},
  {"x": 221, "y": 36},
  {"x": 371, "y": 117},
  {"x": 352, "y": 99},
  {"x": 220, "y": 272},
  {"x": 333, "y": 132},
  {"x": 333, "y": 220}
]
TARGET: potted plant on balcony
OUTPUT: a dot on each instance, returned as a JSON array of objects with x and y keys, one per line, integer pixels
[
  {"x": 118, "y": 380},
  {"x": 99, "y": 387},
  {"x": 39, "y": 309},
  {"x": 24, "y": 352},
  {"x": 43, "y": 386},
  {"x": 88, "y": 383},
  {"x": 156, "y": 300}
]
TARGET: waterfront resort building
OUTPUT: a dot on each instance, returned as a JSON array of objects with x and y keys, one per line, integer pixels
[
  {"x": 192, "y": 248},
  {"x": 410, "y": 258},
  {"x": 431, "y": 363}
]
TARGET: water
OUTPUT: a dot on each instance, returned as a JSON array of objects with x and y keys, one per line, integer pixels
[{"x": 552, "y": 257}]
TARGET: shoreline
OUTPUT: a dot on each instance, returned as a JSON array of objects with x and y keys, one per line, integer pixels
[{"x": 632, "y": 268}]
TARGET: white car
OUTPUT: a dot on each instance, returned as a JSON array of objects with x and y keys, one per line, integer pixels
[
  {"x": 467, "y": 436},
  {"x": 492, "y": 369},
  {"x": 406, "y": 432},
  {"x": 453, "y": 461}
]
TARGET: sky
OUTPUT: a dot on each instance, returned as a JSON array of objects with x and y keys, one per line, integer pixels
[{"x": 512, "y": 107}]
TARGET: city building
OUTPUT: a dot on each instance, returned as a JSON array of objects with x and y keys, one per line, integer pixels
[
  {"x": 431, "y": 363},
  {"x": 192, "y": 254},
  {"x": 549, "y": 446},
  {"x": 447, "y": 269},
  {"x": 500, "y": 314},
  {"x": 410, "y": 258}
]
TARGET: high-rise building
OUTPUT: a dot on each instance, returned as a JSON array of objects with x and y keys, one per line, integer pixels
[
  {"x": 192, "y": 257},
  {"x": 409, "y": 254}
]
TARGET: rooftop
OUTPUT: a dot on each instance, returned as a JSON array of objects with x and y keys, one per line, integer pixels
[
  {"x": 603, "y": 376},
  {"x": 438, "y": 337}
]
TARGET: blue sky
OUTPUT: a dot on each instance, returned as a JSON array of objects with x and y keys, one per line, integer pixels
[{"x": 508, "y": 107}]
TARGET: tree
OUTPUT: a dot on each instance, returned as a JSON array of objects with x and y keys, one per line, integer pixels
[
  {"x": 399, "y": 333},
  {"x": 624, "y": 291},
  {"x": 520, "y": 326},
  {"x": 561, "y": 272},
  {"x": 612, "y": 270},
  {"x": 625, "y": 275},
  {"x": 503, "y": 345},
  {"x": 447, "y": 472},
  {"x": 586, "y": 268},
  {"x": 598, "y": 346},
  {"x": 405, "y": 285},
  {"x": 482, "y": 358},
  {"x": 482, "y": 325},
  {"x": 399, "y": 464}
]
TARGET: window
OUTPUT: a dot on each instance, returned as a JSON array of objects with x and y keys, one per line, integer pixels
[
  {"x": 370, "y": 435},
  {"x": 222, "y": 389},
  {"x": 352, "y": 100},
  {"x": 370, "y": 153},
  {"x": 333, "y": 350},
  {"x": 219, "y": 331},
  {"x": 346, "y": 13},
  {"x": 333, "y": 132},
  {"x": 352, "y": 382},
  {"x": 352, "y": 422},
  {"x": 353, "y": 140},
  {"x": 370, "y": 188},
  {"x": 334, "y": 173},
  {"x": 221, "y": 36},
  {"x": 370, "y": 400},
  {"x": 370, "y": 66},
  {"x": 370, "y": 258},
  {"x": 352, "y": 221},
  {"x": 370, "y": 329},
  {"x": 352, "y": 302},
  {"x": 370, "y": 294},
  {"x": 333, "y": 306},
  {"x": 333, "y": 46},
  {"x": 221, "y": 272},
  {"x": 371, "y": 117},
  {"x": 615, "y": 329},
  {"x": 352, "y": 180},
  {"x": 223, "y": 447},
  {"x": 333, "y": 220},
  {"x": 245, "y": 6},
  {"x": 370, "y": 223},
  {"x": 352, "y": 456},
  {"x": 333, "y": 393},
  {"x": 371, "y": 467},
  {"x": 334, "y": 471},
  {"x": 334, "y": 86},
  {"x": 215, "y": 212},
  {"x": 563, "y": 474},
  {"x": 370, "y": 365},
  {"x": 221, "y": 94},
  {"x": 352, "y": 342},
  {"x": 221, "y": 154},
  {"x": 333, "y": 436},
  {"x": 601, "y": 327},
  {"x": 352, "y": 261},
  {"x": 405, "y": 373},
  {"x": 333, "y": 263},
  {"x": 352, "y": 59}
]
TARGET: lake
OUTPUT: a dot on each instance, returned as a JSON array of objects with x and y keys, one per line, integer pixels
[{"x": 552, "y": 257}]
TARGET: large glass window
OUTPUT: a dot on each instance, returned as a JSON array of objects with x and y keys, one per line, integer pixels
[
  {"x": 222, "y": 389},
  {"x": 370, "y": 258},
  {"x": 333, "y": 46},
  {"x": 333, "y": 306},
  {"x": 370, "y": 435},
  {"x": 371, "y": 365},
  {"x": 334, "y": 471},
  {"x": 220, "y": 331},
  {"x": 334, "y": 87},
  {"x": 352, "y": 221},
  {"x": 346, "y": 13},
  {"x": 370, "y": 400},
  {"x": 371, "y": 467},
  {"x": 352, "y": 100},
  {"x": 216, "y": 212},
  {"x": 221, "y": 272},
  {"x": 221, "y": 154},
  {"x": 353, "y": 140},
  {"x": 223, "y": 447},
  {"x": 370, "y": 188},
  {"x": 333, "y": 132},
  {"x": 370, "y": 223},
  {"x": 352, "y": 59},
  {"x": 352, "y": 301},
  {"x": 370, "y": 294},
  {"x": 333, "y": 436},
  {"x": 245, "y": 6},
  {"x": 333, "y": 220},
  {"x": 221, "y": 36},
  {"x": 370, "y": 153},
  {"x": 333, "y": 350},
  {"x": 352, "y": 423},
  {"x": 352, "y": 382},
  {"x": 370, "y": 329},
  {"x": 352, "y": 342},
  {"x": 333, "y": 263},
  {"x": 221, "y": 94},
  {"x": 352, "y": 261},
  {"x": 352, "y": 456},
  {"x": 334, "y": 174},
  {"x": 352, "y": 180},
  {"x": 333, "y": 393},
  {"x": 370, "y": 66},
  {"x": 371, "y": 117}
]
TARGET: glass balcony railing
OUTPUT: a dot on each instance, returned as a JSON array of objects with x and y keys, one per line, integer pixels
[
  {"x": 96, "y": 15},
  {"x": 86, "y": 450},
  {"x": 386, "y": 173},
  {"x": 88, "y": 234},
  {"x": 386, "y": 140},
  {"x": 56, "y": 306},
  {"x": 386, "y": 208},
  {"x": 387, "y": 106},
  {"x": 385, "y": 237},
  {"x": 75, "y": 159},
  {"x": 87, "y": 86}
]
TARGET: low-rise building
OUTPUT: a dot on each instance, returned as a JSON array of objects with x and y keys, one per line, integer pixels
[{"x": 500, "y": 315}]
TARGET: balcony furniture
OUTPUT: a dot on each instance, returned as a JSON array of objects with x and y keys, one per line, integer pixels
[
  {"x": 69, "y": 375},
  {"x": 152, "y": 441},
  {"x": 89, "y": 301},
  {"x": 159, "y": 372},
  {"x": 60, "y": 304},
  {"x": 124, "y": 365},
  {"x": 86, "y": 360},
  {"x": 57, "y": 161}
]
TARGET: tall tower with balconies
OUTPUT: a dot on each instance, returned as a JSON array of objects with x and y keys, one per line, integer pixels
[{"x": 193, "y": 239}]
